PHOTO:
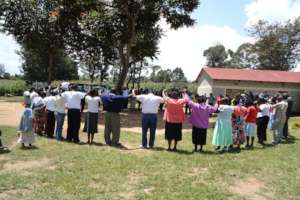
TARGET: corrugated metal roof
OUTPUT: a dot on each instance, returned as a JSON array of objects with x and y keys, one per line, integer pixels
[{"x": 253, "y": 75}]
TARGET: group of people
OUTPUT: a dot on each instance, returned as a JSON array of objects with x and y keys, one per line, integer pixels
[{"x": 239, "y": 120}]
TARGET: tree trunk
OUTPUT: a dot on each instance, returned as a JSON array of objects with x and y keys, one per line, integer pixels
[
  {"x": 140, "y": 74},
  {"x": 50, "y": 65},
  {"x": 125, "y": 55}
]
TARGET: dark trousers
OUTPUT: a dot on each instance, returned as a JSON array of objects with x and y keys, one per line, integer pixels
[
  {"x": 187, "y": 109},
  {"x": 262, "y": 125},
  {"x": 50, "y": 123},
  {"x": 74, "y": 119},
  {"x": 286, "y": 128},
  {"x": 149, "y": 121}
]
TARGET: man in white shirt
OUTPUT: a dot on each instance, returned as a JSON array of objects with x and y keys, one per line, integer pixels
[
  {"x": 50, "y": 108},
  {"x": 279, "y": 119},
  {"x": 33, "y": 94},
  {"x": 60, "y": 107},
  {"x": 73, "y": 99},
  {"x": 262, "y": 120},
  {"x": 150, "y": 106}
]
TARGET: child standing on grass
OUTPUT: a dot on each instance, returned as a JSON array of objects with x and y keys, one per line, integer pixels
[
  {"x": 25, "y": 128},
  {"x": 251, "y": 127}
]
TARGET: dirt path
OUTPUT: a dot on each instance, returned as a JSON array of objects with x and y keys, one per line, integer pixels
[
  {"x": 10, "y": 113},
  {"x": 130, "y": 121}
]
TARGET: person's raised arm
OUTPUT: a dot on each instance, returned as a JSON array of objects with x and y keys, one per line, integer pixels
[
  {"x": 133, "y": 93},
  {"x": 164, "y": 94}
]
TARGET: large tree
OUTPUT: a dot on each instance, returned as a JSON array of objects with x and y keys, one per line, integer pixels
[
  {"x": 244, "y": 57},
  {"x": 132, "y": 29},
  {"x": 177, "y": 75},
  {"x": 34, "y": 22},
  {"x": 277, "y": 45},
  {"x": 35, "y": 64},
  {"x": 215, "y": 56}
]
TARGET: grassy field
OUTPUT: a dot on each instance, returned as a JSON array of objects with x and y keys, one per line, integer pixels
[
  {"x": 12, "y": 98},
  {"x": 58, "y": 170}
]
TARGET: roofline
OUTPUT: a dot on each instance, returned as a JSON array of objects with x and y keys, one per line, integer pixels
[{"x": 258, "y": 70}]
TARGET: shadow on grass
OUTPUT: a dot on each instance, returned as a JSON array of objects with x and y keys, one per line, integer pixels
[
  {"x": 290, "y": 140},
  {"x": 26, "y": 148},
  {"x": 4, "y": 150}
]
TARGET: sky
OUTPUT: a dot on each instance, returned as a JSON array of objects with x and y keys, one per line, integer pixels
[{"x": 218, "y": 21}]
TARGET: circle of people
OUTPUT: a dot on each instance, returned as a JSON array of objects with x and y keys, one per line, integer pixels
[{"x": 239, "y": 120}]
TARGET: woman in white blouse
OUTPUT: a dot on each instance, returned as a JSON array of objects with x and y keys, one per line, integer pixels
[{"x": 93, "y": 104}]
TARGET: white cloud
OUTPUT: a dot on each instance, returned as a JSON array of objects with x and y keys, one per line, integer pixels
[
  {"x": 272, "y": 10},
  {"x": 184, "y": 47},
  {"x": 8, "y": 55}
]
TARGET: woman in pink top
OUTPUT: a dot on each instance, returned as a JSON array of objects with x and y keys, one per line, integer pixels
[{"x": 174, "y": 117}]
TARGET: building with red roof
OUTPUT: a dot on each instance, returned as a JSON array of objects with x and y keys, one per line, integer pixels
[{"x": 224, "y": 81}]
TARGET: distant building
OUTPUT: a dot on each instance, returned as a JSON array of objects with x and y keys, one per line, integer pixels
[{"x": 233, "y": 81}]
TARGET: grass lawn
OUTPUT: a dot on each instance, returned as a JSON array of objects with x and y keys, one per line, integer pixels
[
  {"x": 58, "y": 170},
  {"x": 12, "y": 98}
]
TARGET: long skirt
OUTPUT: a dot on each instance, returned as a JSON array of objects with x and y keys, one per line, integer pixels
[
  {"x": 92, "y": 123},
  {"x": 262, "y": 125},
  {"x": 39, "y": 121},
  {"x": 199, "y": 136},
  {"x": 222, "y": 133},
  {"x": 26, "y": 138},
  {"x": 238, "y": 134},
  {"x": 173, "y": 131}
]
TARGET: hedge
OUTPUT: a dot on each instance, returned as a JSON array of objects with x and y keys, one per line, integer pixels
[{"x": 12, "y": 87}]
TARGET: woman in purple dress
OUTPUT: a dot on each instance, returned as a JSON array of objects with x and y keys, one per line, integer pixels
[{"x": 199, "y": 119}]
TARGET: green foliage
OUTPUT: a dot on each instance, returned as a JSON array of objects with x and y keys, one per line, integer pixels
[
  {"x": 120, "y": 33},
  {"x": 215, "y": 56},
  {"x": 192, "y": 87},
  {"x": 35, "y": 64},
  {"x": 244, "y": 57},
  {"x": 130, "y": 29},
  {"x": 278, "y": 44},
  {"x": 12, "y": 87}
]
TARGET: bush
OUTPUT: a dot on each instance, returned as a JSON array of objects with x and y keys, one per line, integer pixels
[
  {"x": 12, "y": 87},
  {"x": 192, "y": 87}
]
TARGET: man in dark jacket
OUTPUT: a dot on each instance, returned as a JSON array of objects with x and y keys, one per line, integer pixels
[
  {"x": 290, "y": 102},
  {"x": 113, "y": 104}
]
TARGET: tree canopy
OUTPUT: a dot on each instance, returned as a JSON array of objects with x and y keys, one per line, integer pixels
[
  {"x": 123, "y": 32},
  {"x": 215, "y": 56},
  {"x": 277, "y": 45}
]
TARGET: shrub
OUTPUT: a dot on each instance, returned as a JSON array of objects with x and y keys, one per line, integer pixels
[{"x": 12, "y": 87}]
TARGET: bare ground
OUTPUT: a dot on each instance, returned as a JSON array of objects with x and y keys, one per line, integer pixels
[
  {"x": 130, "y": 121},
  {"x": 251, "y": 189}
]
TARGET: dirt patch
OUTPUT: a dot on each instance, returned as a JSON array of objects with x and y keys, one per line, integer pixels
[
  {"x": 251, "y": 188},
  {"x": 23, "y": 166},
  {"x": 3, "y": 158},
  {"x": 10, "y": 113},
  {"x": 127, "y": 195},
  {"x": 13, "y": 193},
  {"x": 149, "y": 190}
]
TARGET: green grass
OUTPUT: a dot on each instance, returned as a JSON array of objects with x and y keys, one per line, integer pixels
[
  {"x": 12, "y": 99},
  {"x": 12, "y": 87},
  {"x": 100, "y": 172}
]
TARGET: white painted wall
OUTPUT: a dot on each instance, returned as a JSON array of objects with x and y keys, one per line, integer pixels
[{"x": 217, "y": 87}]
